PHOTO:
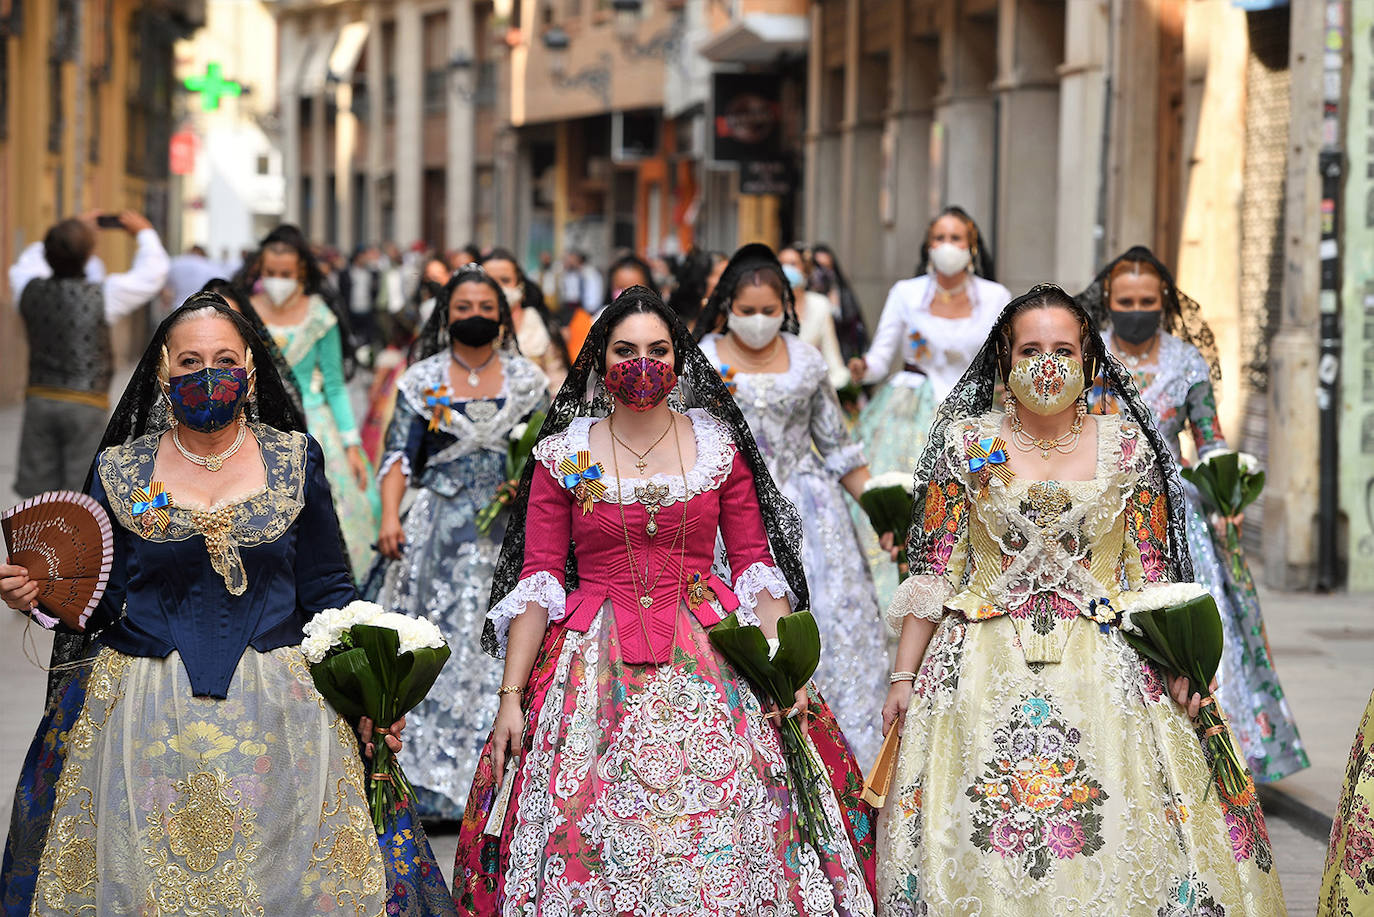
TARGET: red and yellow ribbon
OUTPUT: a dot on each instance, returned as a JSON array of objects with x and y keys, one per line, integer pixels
[
  {"x": 440, "y": 406},
  {"x": 151, "y": 504},
  {"x": 579, "y": 475}
]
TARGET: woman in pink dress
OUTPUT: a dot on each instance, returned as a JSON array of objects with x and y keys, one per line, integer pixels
[{"x": 646, "y": 777}]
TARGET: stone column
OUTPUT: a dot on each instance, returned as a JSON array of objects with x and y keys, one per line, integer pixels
[
  {"x": 409, "y": 121},
  {"x": 376, "y": 125},
  {"x": 1030, "y": 42},
  {"x": 849, "y": 151},
  {"x": 319, "y": 164},
  {"x": 965, "y": 117},
  {"x": 458, "y": 214},
  {"x": 288, "y": 68},
  {"x": 345, "y": 139},
  {"x": 1082, "y": 100},
  {"x": 1290, "y": 510},
  {"x": 910, "y": 116},
  {"x": 815, "y": 71}
]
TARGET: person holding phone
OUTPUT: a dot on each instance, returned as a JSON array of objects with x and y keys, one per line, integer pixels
[{"x": 68, "y": 304}]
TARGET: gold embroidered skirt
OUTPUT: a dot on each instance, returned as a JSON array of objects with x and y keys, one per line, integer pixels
[{"x": 174, "y": 804}]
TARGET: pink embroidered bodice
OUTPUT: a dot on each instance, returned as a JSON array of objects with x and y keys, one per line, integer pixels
[{"x": 719, "y": 495}]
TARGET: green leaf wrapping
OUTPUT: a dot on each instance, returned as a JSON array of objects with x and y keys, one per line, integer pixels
[{"x": 888, "y": 509}]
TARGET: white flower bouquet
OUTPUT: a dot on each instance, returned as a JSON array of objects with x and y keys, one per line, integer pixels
[
  {"x": 887, "y": 499},
  {"x": 367, "y": 661},
  {"x": 1228, "y": 482}
]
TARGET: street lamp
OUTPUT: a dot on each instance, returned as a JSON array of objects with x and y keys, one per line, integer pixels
[
  {"x": 626, "y": 17},
  {"x": 459, "y": 67},
  {"x": 556, "y": 42}
]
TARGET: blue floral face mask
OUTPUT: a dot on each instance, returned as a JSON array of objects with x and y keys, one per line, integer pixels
[{"x": 208, "y": 399}]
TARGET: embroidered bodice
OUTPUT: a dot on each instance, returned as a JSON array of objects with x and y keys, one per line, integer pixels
[
  {"x": 448, "y": 444},
  {"x": 909, "y": 334},
  {"x": 718, "y": 495},
  {"x": 1038, "y": 552},
  {"x": 209, "y": 582},
  {"x": 1177, "y": 386},
  {"x": 795, "y": 416}
]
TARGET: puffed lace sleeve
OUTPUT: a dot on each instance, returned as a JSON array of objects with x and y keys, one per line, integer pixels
[
  {"x": 829, "y": 431},
  {"x": 937, "y": 547},
  {"x": 548, "y": 533},
  {"x": 746, "y": 543}
]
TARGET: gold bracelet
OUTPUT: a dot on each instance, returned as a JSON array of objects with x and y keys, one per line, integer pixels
[{"x": 510, "y": 689}]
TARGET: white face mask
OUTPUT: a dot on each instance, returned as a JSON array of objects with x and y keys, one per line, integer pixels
[
  {"x": 755, "y": 331},
  {"x": 279, "y": 289},
  {"x": 949, "y": 259},
  {"x": 514, "y": 295}
]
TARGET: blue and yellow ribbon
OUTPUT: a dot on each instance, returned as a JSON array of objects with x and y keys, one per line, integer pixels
[
  {"x": 151, "y": 503},
  {"x": 582, "y": 478},
  {"x": 989, "y": 456},
  {"x": 920, "y": 345},
  {"x": 440, "y": 406},
  {"x": 727, "y": 375}
]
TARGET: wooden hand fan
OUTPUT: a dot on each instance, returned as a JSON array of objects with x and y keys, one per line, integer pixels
[
  {"x": 65, "y": 541},
  {"x": 879, "y": 780}
]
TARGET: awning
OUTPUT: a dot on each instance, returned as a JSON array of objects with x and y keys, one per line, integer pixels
[
  {"x": 315, "y": 64},
  {"x": 759, "y": 38},
  {"x": 349, "y": 47}
]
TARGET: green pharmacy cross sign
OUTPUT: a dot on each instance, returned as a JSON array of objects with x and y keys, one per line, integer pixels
[{"x": 212, "y": 87}]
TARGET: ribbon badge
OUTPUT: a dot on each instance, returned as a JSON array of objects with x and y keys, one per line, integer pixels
[
  {"x": 440, "y": 406},
  {"x": 987, "y": 457},
  {"x": 920, "y": 346},
  {"x": 727, "y": 375},
  {"x": 582, "y": 478},
  {"x": 698, "y": 593},
  {"x": 151, "y": 505}
]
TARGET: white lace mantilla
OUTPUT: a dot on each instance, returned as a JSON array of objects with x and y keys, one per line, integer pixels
[
  {"x": 755, "y": 579},
  {"x": 715, "y": 457},
  {"x": 540, "y": 588},
  {"x": 921, "y": 596}
]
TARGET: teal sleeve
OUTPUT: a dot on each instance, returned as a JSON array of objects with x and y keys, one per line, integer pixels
[{"x": 329, "y": 357}]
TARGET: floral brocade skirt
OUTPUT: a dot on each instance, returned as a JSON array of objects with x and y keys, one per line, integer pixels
[
  {"x": 1069, "y": 788},
  {"x": 173, "y": 804},
  {"x": 658, "y": 790},
  {"x": 893, "y": 428},
  {"x": 1348, "y": 880}
]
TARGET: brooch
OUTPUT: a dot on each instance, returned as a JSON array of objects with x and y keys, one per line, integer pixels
[
  {"x": 582, "y": 478},
  {"x": 440, "y": 406},
  {"x": 920, "y": 346},
  {"x": 727, "y": 375},
  {"x": 150, "y": 508},
  {"x": 987, "y": 457},
  {"x": 698, "y": 592},
  {"x": 1107, "y": 617}
]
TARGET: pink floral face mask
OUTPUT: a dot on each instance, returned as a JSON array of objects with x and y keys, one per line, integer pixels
[{"x": 640, "y": 384}]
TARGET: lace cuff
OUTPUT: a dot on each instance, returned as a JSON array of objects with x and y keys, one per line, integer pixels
[
  {"x": 922, "y": 596},
  {"x": 756, "y": 579},
  {"x": 842, "y": 461},
  {"x": 540, "y": 588},
  {"x": 390, "y": 459}
]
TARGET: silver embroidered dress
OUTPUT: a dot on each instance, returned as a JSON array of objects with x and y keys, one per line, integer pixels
[
  {"x": 445, "y": 571},
  {"x": 799, "y": 426},
  {"x": 1177, "y": 386}
]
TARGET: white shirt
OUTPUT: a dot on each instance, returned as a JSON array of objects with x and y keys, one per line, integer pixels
[
  {"x": 818, "y": 330},
  {"x": 908, "y": 333},
  {"x": 593, "y": 289},
  {"x": 189, "y": 273},
  {"x": 123, "y": 293}
]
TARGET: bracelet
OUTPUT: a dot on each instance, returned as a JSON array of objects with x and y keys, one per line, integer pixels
[
  {"x": 510, "y": 689},
  {"x": 901, "y": 676}
]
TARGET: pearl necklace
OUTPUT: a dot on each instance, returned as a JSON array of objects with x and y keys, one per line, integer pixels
[
  {"x": 1064, "y": 444},
  {"x": 946, "y": 295},
  {"x": 215, "y": 460}
]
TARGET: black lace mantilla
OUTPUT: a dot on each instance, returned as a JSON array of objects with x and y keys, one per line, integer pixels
[
  {"x": 975, "y": 395},
  {"x": 1182, "y": 314},
  {"x": 752, "y": 257},
  {"x": 699, "y": 386}
]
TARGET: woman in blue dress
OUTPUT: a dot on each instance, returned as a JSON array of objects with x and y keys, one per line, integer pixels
[
  {"x": 455, "y": 412},
  {"x": 188, "y": 764}
]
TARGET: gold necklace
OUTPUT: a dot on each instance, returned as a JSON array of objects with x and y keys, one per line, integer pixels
[
  {"x": 646, "y": 588},
  {"x": 1064, "y": 444},
  {"x": 215, "y": 460},
  {"x": 755, "y": 364},
  {"x": 946, "y": 295},
  {"x": 641, "y": 458}
]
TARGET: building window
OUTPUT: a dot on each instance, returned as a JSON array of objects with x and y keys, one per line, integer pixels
[
  {"x": 434, "y": 29},
  {"x": 389, "y": 70},
  {"x": 264, "y": 166}
]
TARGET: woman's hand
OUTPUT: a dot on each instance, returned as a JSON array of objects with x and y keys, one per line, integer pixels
[
  {"x": 391, "y": 538},
  {"x": 18, "y": 591},
  {"x": 366, "y": 732},
  {"x": 858, "y": 368},
  {"x": 1178, "y": 690},
  {"x": 508, "y": 735},
  {"x": 1219, "y": 524},
  {"x": 801, "y": 703},
  {"x": 357, "y": 464},
  {"x": 895, "y": 707}
]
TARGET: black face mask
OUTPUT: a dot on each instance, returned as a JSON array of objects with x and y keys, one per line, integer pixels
[
  {"x": 1135, "y": 327},
  {"x": 475, "y": 330}
]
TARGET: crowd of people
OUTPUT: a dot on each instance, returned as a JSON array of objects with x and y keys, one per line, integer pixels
[{"x": 706, "y": 430}]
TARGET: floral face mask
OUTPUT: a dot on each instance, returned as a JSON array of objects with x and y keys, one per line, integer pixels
[
  {"x": 208, "y": 399},
  {"x": 1047, "y": 383},
  {"x": 640, "y": 384}
]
